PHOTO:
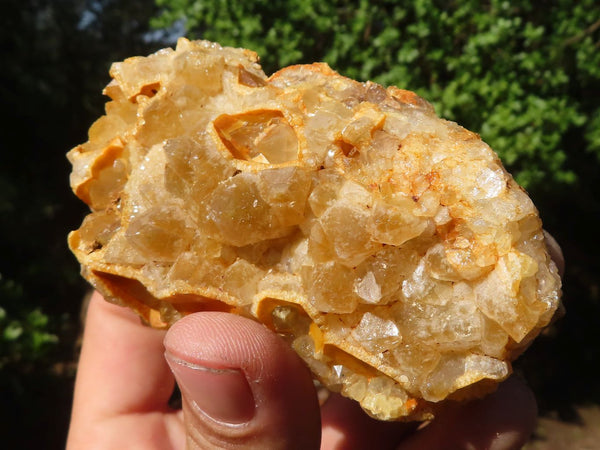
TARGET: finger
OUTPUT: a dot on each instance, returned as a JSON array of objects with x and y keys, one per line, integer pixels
[
  {"x": 122, "y": 362},
  {"x": 346, "y": 426},
  {"x": 121, "y": 372},
  {"x": 242, "y": 386},
  {"x": 502, "y": 420}
]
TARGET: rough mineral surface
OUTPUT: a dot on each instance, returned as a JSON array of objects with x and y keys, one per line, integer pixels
[{"x": 388, "y": 246}]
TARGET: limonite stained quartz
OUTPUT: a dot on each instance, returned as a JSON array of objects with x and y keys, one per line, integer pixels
[{"x": 389, "y": 247}]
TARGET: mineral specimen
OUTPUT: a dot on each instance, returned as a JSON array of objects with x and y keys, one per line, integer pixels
[{"x": 388, "y": 246}]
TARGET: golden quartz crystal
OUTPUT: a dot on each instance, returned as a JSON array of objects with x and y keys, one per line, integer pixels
[{"x": 389, "y": 247}]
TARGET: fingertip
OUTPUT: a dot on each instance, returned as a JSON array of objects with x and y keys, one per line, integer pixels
[
  {"x": 222, "y": 340},
  {"x": 215, "y": 345},
  {"x": 504, "y": 420},
  {"x": 513, "y": 407},
  {"x": 346, "y": 426}
]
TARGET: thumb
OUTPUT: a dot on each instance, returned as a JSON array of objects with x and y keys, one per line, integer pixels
[{"x": 242, "y": 386}]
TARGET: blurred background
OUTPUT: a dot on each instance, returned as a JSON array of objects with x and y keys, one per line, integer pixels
[{"x": 523, "y": 74}]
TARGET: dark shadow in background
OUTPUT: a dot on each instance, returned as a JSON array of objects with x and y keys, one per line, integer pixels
[{"x": 55, "y": 59}]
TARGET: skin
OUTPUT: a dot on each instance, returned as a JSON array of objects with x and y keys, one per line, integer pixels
[
  {"x": 243, "y": 387},
  {"x": 124, "y": 384}
]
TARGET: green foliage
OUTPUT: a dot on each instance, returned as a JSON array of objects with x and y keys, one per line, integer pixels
[
  {"x": 593, "y": 133},
  {"x": 521, "y": 73},
  {"x": 25, "y": 339}
]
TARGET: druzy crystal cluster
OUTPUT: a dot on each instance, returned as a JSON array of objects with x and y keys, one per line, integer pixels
[{"x": 389, "y": 247}]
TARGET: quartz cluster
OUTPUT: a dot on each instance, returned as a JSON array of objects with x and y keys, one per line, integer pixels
[{"x": 389, "y": 247}]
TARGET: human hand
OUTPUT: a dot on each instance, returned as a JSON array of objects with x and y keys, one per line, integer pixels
[{"x": 243, "y": 387}]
